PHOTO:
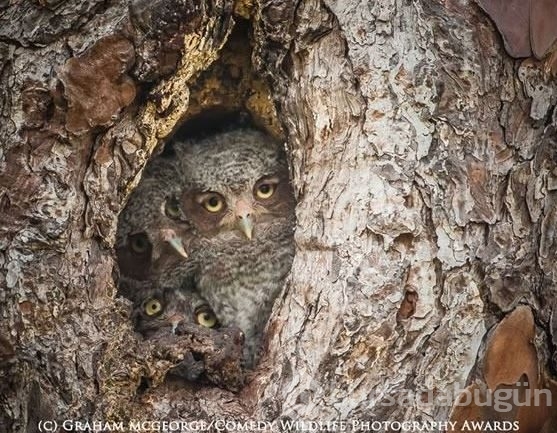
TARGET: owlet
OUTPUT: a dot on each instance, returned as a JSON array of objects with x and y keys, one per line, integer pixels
[
  {"x": 151, "y": 230},
  {"x": 238, "y": 198},
  {"x": 180, "y": 322}
]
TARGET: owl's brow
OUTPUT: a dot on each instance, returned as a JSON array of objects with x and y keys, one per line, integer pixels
[
  {"x": 269, "y": 179},
  {"x": 202, "y": 196}
]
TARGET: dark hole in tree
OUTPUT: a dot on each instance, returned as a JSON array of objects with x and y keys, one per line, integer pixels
[
  {"x": 155, "y": 195},
  {"x": 144, "y": 385}
]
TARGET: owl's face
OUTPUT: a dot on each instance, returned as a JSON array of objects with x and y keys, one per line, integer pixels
[
  {"x": 162, "y": 311},
  {"x": 238, "y": 185},
  {"x": 244, "y": 211},
  {"x": 151, "y": 231}
]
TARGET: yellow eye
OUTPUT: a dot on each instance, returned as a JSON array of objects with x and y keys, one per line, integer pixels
[
  {"x": 213, "y": 203},
  {"x": 265, "y": 190},
  {"x": 172, "y": 208},
  {"x": 153, "y": 307},
  {"x": 206, "y": 317},
  {"x": 139, "y": 243}
]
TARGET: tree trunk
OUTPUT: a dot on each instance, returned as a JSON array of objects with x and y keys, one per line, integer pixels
[{"x": 423, "y": 159}]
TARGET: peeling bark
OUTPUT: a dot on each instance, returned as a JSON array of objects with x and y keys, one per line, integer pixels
[{"x": 423, "y": 159}]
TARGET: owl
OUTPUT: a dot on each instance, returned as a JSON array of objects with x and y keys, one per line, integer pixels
[
  {"x": 164, "y": 311},
  {"x": 151, "y": 229},
  {"x": 238, "y": 198},
  {"x": 181, "y": 322}
]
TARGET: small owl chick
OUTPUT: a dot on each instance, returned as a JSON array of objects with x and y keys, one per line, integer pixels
[
  {"x": 181, "y": 322},
  {"x": 161, "y": 311},
  {"x": 151, "y": 228},
  {"x": 238, "y": 197}
]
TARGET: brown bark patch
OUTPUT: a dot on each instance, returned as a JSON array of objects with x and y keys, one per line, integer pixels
[
  {"x": 408, "y": 305},
  {"x": 527, "y": 26},
  {"x": 96, "y": 84},
  {"x": 543, "y": 16},
  {"x": 510, "y": 352},
  {"x": 513, "y": 390},
  {"x": 512, "y": 20}
]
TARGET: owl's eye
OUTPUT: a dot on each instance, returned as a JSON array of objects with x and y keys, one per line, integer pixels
[
  {"x": 139, "y": 243},
  {"x": 213, "y": 203},
  {"x": 153, "y": 307},
  {"x": 265, "y": 190},
  {"x": 172, "y": 208},
  {"x": 206, "y": 317}
]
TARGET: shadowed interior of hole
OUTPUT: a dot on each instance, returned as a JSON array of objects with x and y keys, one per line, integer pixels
[{"x": 210, "y": 122}]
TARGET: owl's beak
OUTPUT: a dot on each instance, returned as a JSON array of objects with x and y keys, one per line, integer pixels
[
  {"x": 175, "y": 242},
  {"x": 244, "y": 213},
  {"x": 246, "y": 225},
  {"x": 175, "y": 321}
]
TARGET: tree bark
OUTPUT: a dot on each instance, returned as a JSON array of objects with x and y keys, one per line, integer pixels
[{"x": 423, "y": 159}]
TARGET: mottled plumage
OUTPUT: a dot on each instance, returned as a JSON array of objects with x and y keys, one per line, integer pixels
[
  {"x": 238, "y": 198},
  {"x": 151, "y": 229}
]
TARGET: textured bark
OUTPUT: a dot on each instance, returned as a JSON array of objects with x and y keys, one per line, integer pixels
[{"x": 423, "y": 158}]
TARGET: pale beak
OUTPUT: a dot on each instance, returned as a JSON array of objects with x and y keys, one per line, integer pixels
[
  {"x": 175, "y": 321},
  {"x": 175, "y": 242},
  {"x": 246, "y": 225},
  {"x": 244, "y": 213}
]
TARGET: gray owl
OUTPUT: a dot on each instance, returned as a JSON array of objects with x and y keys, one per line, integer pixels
[
  {"x": 182, "y": 323},
  {"x": 238, "y": 198},
  {"x": 151, "y": 228},
  {"x": 162, "y": 311}
]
